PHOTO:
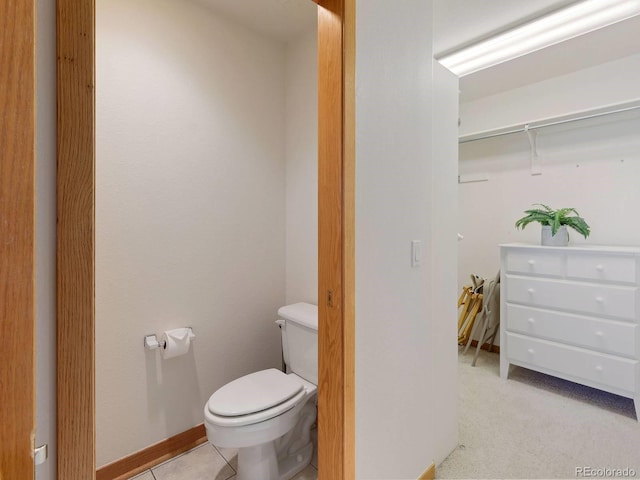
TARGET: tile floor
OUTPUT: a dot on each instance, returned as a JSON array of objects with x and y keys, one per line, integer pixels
[{"x": 207, "y": 462}]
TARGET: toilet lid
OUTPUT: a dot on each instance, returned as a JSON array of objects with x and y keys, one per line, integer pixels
[{"x": 253, "y": 393}]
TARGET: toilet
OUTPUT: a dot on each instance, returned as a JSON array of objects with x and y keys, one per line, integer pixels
[{"x": 268, "y": 415}]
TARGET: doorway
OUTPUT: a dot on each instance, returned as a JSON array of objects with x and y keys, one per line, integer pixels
[{"x": 76, "y": 238}]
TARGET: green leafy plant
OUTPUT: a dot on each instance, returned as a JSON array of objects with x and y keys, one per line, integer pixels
[{"x": 555, "y": 218}]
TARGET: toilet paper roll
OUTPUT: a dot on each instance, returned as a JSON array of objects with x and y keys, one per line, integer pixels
[{"x": 176, "y": 342}]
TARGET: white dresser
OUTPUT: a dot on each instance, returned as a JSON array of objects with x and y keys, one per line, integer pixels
[{"x": 573, "y": 312}]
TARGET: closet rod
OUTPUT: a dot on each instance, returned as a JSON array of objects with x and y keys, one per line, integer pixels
[{"x": 526, "y": 127}]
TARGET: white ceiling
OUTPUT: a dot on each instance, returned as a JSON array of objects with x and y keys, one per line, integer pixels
[
  {"x": 457, "y": 23},
  {"x": 604, "y": 45},
  {"x": 460, "y": 22}
]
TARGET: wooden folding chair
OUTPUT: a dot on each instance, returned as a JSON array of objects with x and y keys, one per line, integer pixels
[
  {"x": 466, "y": 323},
  {"x": 465, "y": 300},
  {"x": 489, "y": 318}
]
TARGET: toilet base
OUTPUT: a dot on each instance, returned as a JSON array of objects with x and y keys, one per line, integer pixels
[
  {"x": 283, "y": 458},
  {"x": 294, "y": 463},
  {"x": 260, "y": 462}
]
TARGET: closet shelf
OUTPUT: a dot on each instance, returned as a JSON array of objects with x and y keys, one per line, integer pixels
[{"x": 548, "y": 122}]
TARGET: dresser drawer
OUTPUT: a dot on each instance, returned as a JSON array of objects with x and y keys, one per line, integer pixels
[
  {"x": 605, "y": 335},
  {"x": 573, "y": 363},
  {"x": 602, "y": 267},
  {"x": 535, "y": 263},
  {"x": 601, "y": 300}
]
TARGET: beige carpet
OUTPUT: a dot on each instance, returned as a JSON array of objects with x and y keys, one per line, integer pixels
[{"x": 537, "y": 426}]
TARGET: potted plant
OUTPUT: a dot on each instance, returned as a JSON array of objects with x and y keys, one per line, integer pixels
[{"x": 554, "y": 224}]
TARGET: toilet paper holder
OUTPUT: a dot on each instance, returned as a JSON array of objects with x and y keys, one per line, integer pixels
[{"x": 151, "y": 341}]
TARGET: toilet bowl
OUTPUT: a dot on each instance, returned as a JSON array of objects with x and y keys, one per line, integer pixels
[{"x": 267, "y": 415}]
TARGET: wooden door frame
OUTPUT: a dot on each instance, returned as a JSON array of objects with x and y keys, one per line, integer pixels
[
  {"x": 17, "y": 237},
  {"x": 76, "y": 239},
  {"x": 75, "y": 41},
  {"x": 336, "y": 239}
]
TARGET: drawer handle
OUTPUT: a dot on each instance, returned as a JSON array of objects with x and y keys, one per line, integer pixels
[
  {"x": 599, "y": 368},
  {"x": 600, "y": 333},
  {"x": 530, "y": 290},
  {"x": 600, "y": 267},
  {"x": 599, "y": 299},
  {"x": 531, "y": 351},
  {"x": 531, "y": 262},
  {"x": 531, "y": 320}
]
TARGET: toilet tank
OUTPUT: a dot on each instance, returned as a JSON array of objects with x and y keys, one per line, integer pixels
[{"x": 300, "y": 339}]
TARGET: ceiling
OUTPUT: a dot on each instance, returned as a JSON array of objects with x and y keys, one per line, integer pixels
[
  {"x": 457, "y": 23},
  {"x": 604, "y": 45}
]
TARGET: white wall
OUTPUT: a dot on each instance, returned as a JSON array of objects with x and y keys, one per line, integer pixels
[
  {"x": 190, "y": 214},
  {"x": 444, "y": 271},
  {"x": 396, "y": 378},
  {"x": 592, "y": 165},
  {"x": 301, "y": 99},
  {"x": 46, "y": 238}
]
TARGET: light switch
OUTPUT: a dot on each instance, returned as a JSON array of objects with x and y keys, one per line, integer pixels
[{"x": 416, "y": 253}]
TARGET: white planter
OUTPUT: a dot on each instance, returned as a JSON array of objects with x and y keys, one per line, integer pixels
[{"x": 560, "y": 239}]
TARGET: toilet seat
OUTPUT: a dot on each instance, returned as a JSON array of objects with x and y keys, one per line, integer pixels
[{"x": 255, "y": 398}]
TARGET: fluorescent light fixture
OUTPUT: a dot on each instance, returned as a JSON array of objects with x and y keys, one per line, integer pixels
[{"x": 556, "y": 27}]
